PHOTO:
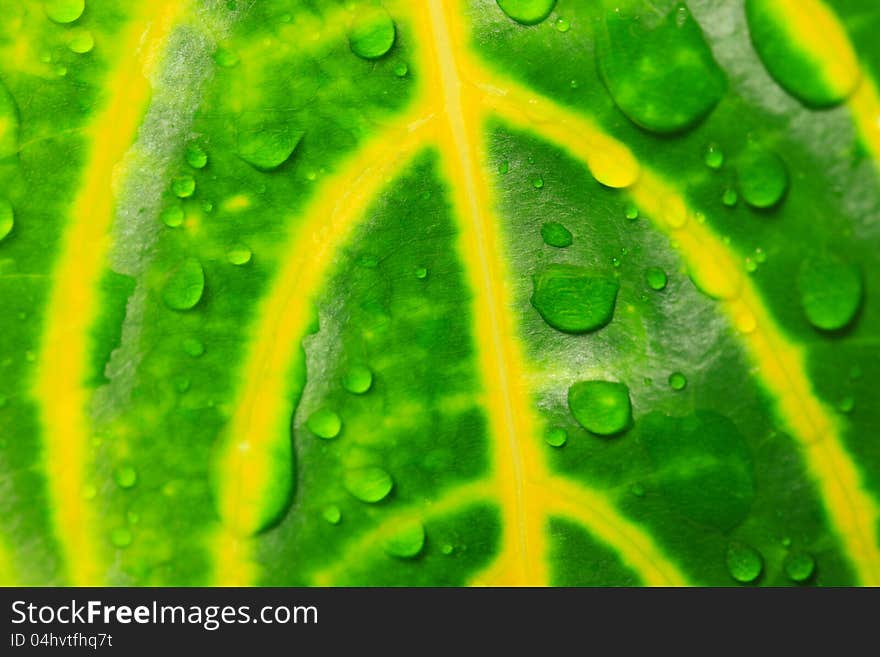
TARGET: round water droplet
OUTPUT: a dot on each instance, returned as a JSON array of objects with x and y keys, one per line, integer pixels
[
  {"x": 324, "y": 423},
  {"x": 762, "y": 177},
  {"x": 537, "y": 182},
  {"x": 372, "y": 34},
  {"x": 677, "y": 381},
  {"x": 555, "y": 234},
  {"x": 729, "y": 197},
  {"x": 830, "y": 291},
  {"x": 602, "y": 407},
  {"x": 185, "y": 286},
  {"x": 744, "y": 563},
  {"x": 126, "y": 476},
  {"x": 632, "y": 212},
  {"x": 615, "y": 261},
  {"x": 172, "y": 216},
  {"x": 656, "y": 278},
  {"x": 446, "y": 548},
  {"x": 401, "y": 70},
  {"x": 369, "y": 484},
  {"x": 760, "y": 255},
  {"x": 64, "y": 11},
  {"x": 799, "y": 566},
  {"x": 267, "y": 144},
  {"x": 713, "y": 157},
  {"x": 751, "y": 265},
  {"x": 358, "y": 379},
  {"x": 120, "y": 537},
  {"x": 196, "y": 156},
  {"x": 573, "y": 299},
  {"x": 225, "y": 58},
  {"x": 846, "y": 405},
  {"x": 407, "y": 540},
  {"x": 331, "y": 514},
  {"x": 527, "y": 12},
  {"x": 7, "y": 218},
  {"x": 421, "y": 272},
  {"x": 81, "y": 42},
  {"x": 193, "y": 347},
  {"x": 562, "y": 25},
  {"x": 183, "y": 186},
  {"x": 239, "y": 255},
  {"x": 556, "y": 436}
]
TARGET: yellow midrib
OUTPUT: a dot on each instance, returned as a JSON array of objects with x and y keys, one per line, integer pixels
[{"x": 62, "y": 365}]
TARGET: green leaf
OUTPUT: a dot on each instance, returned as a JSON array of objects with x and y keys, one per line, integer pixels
[{"x": 477, "y": 292}]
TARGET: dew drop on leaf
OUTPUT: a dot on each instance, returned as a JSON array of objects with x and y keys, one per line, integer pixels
[
  {"x": 799, "y": 566},
  {"x": 267, "y": 144},
  {"x": 713, "y": 157},
  {"x": 677, "y": 381},
  {"x": 602, "y": 407},
  {"x": 193, "y": 347},
  {"x": 183, "y": 186},
  {"x": 846, "y": 405},
  {"x": 172, "y": 216},
  {"x": 421, "y": 272},
  {"x": 185, "y": 286},
  {"x": 370, "y": 484},
  {"x": 401, "y": 70},
  {"x": 762, "y": 177},
  {"x": 358, "y": 379},
  {"x": 406, "y": 541},
  {"x": 64, "y": 11},
  {"x": 744, "y": 563},
  {"x": 81, "y": 42},
  {"x": 538, "y": 182},
  {"x": 527, "y": 12},
  {"x": 324, "y": 423},
  {"x": 830, "y": 291},
  {"x": 555, "y": 234},
  {"x": 556, "y": 437},
  {"x": 7, "y": 219},
  {"x": 446, "y": 548},
  {"x": 239, "y": 255},
  {"x": 631, "y": 212},
  {"x": 573, "y": 299},
  {"x": 562, "y": 25},
  {"x": 372, "y": 34},
  {"x": 126, "y": 476},
  {"x": 331, "y": 514},
  {"x": 196, "y": 156},
  {"x": 729, "y": 197},
  {"x": 656, "y": 278}
]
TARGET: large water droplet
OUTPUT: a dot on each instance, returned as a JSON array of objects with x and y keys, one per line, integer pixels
[
  {"x": 656, "y": 278},
  {"x": 64, "y": 11},
  {"x": 574, "y": 299},
  {"x": 555, "y": 234},
  {"x": 358, "y": 379},
  {"x": 196, "y": 156},
  {"x": 267, "y": 143},
  {"x": 7, "y": 219},
  {"x": 527, "y": 12},
  {"x": 805, "y": 49},
  {"x": 324, "y": 423},
  {"x": 406, "y": 541},
  {"x": 172, "y": 216},
  {"x": 370, "y": 484},
  {"x": 662, "y": 75},
  {"x": 81, "y": 42},
  {"x": 602, "y": 407},
  {"x": 744, "y": 563},
  {"x": 830, "y": 291},
  {"x": 762, "y": 177},
  {"x": 372, "y": 34},
  {"x": 239, "y": 255},
  {"x": 185, "y": 286},
  {"x": 183, "y": 186},
  {"x": 799, "y": 566},
  {"x": 556, "y": 437}
]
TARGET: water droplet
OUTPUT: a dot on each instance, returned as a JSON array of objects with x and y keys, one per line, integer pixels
[
  {"x": 7, "y": 216},
  {"x": 358, "y": 379},
  {"x": 239, "y": 255},
  {"x": 846, "y": 405},
  {"x": 64, "y": 11},
  {"x": 446, "y": 548},
  {"x": 172, "y": 216},
  {"x": 762, "y": 177},
  {"x": 663, "y": 77},
  {"x": 193, "y": 347},
  {"x": 637, "y": 489},
  {"x": 744, "y": 563},
  {"x": 196, "y": 156},
  {"x": 713, "y": 157},
  {"x": 421, "y": 272},
  {"x": 799, "y": 566},
  {"x": 120, "y": 537},
  {"x": 527, "y": 12},
  {"x": 185, "y": 286},
  {"x": 401, "y": 70},
  {"x": 126, "y": 476},
  {"x": 81, "y": 42},
  {"x": 655, "y": 278},
  {"x": 632, "y": 212},
  {"x": 407, "y": 540},
  {"x": 556, "y": 436},
  {"x": 573, "y": 299},
  {"x": 729, "y": 197},
  {"x": 555, "y": 234},
  {"x": 615, "y": 261},
  {"x": 331, "y": 514},
  {"x": 267, "y": 144},
  {"x": 324, "y": 423},
  {"x": 602, "y": 407},
  {"x": 372, "y": 34},
  {"x": 370, "y": 484},
  {"x": 677, "y": 381},
  {"x": 786, "y": 542},
  {"x": 225, "y": 58},
  {"x": 183, "y": 186},
  {"x": 562, "y": 25},
  {"x": 760, "y": 255},
  {"x": 820, "y": 71},
  {"x": 751, "y": 265},
  {"x": 830, "y": 291},
  {"x": 537, "y": 182}
]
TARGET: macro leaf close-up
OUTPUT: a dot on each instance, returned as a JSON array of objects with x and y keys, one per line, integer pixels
[{"x": 439, "y": 293}]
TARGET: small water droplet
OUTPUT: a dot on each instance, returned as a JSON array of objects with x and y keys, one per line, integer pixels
[
  {"x": 556, "y": 437},
  {"x": 615, "y": 261},
  {"x": 406, "y": 541},
  {"x": 573, "y": 299},
  {"x": 324, "y": 423},
  {"x": 799, "y": 566},
  {"x": 713, "y": 157},
  {"x": 562, "y": 25},
  {"x": 762, "y": 177},
  {"x": 193, "y": 346},
  {"x": 120, "y": 537},
  {"x": 786, "y": 541},
  {"x": 358, "y": 379},
  {"x": 421, "y": 272},
  {"x": 225, "y": 58},
  {"x": 81, "y": 42},
  {"x": 401, "y": 70},
  {"x": 637, "y": 489},
  {"x": 64, "y": 11},
  {"x": 372, "y": 34},
  {"x": 172, "y": 216},
  {"x": 760, "y": 255},
  {"x": 830, "y": 291},
  {"x": 573, "y": 84},
  {"x": 555, "y": 234},
  {"x": 744, "y": 563},
  {"x": 239, "y": 255},
  {"x": 126, "y": 476},
  {"x": 185, "y": 285},
  {"x": 537, "y": 182},
  {"x": 446, "y": 548},
  {"x": 602, "y": 407},
  {"x": 196, "y": 156},
  {"x": 846, "y": 405},
  {"x": 632, "y": 212},
  {"x": 183, "y": 186},
  {"x": 370, "y": 484},
  {"x": 331, "y": 514},
  {"x": 751, "y": 265},
  {"x": 729, "y": 197},
  {"x": 527, "y": 12},
  {"x": 677, "y": 381},
  {"x": 7, "y": 218},
  {"x": 656, "y": 278}
]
